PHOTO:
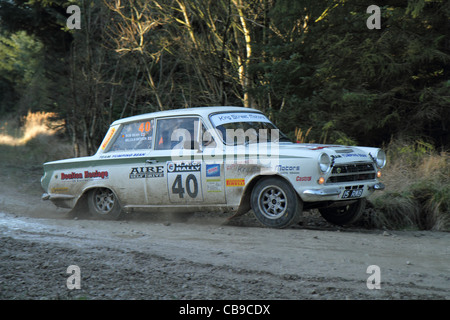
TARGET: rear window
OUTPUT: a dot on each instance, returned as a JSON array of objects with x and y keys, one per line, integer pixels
[{"x": 134, "y": 136}]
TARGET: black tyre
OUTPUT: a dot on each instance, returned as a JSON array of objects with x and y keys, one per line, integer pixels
[
  {"x": 275, "y": 203},
  {"x": 103, "y": 204},
  {"x": 345, "y": 214}
]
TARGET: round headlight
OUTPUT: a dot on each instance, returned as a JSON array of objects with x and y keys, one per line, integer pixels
[
  {"x": 381, "y": 159},
  {"x": 324, "y": 162}
]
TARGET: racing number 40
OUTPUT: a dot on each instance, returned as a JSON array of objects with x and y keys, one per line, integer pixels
[{"x": 177, "y": 187}]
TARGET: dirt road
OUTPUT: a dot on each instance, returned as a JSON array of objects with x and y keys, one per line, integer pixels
[{"x": 208, "y": 257}]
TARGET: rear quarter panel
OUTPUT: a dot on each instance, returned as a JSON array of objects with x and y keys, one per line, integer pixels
[{"x": 74, "y": 177}]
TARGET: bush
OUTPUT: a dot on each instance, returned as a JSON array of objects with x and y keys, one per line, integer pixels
[
  {"x": 32, "y": 140},
  {"x": 417, "y": 194}
]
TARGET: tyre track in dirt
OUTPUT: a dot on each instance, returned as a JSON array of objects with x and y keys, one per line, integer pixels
[{"x": 207, "y": 258}]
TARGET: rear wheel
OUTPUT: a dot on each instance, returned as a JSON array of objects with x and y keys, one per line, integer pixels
[
  {"x": 103, "y": 204},
  {"x": 275, "y": 203},
  {"x": 345, "y": 214}
]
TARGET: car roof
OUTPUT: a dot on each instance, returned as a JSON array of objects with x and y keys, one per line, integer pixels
[{"x": 200, "y": 111}]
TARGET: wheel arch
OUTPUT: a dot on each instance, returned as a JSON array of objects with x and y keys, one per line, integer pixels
[
  {"x": 81, "y": 204},
  {"x": 245, "y": 204}
]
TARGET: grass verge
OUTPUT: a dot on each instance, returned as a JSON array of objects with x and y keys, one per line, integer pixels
[
  {"x": 417, "y": 194},
  {"x": 25, "y": 144}
]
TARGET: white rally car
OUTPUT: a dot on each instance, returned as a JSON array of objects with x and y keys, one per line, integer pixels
[{"x": 227, "y": 159}]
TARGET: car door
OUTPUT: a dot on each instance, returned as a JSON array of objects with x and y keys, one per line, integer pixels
[
  {"x": 178, "y": 178},
  {"x": 126, "y": 159},
  {"x": 178, "y": 149}
]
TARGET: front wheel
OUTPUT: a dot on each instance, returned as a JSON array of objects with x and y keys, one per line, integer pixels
[
  {"x": 103, "y": 204},
  {"x": 275, "y": 203},
  {"x": 345, "y": 214}
]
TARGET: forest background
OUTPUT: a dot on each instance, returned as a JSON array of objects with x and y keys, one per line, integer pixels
[{"x": 314, "y": 67}]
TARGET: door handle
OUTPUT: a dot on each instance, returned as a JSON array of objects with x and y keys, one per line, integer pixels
[{"x": 151, "y": 161}]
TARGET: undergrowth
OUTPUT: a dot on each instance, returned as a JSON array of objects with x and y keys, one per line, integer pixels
[
  {"x": 25, "y": 144},
  {"x": 417, "y": 194}
]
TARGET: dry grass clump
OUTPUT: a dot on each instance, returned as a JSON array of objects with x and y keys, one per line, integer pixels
[
  {"x": 32, "y": 140},
  {"x": 417, "y": 194},
  {"x": 34, "y": 125}
]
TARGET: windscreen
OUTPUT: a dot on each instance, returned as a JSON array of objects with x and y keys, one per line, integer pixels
[{"x": 246, "y": 127}]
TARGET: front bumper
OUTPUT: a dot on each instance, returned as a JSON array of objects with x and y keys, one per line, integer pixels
[
  {"x": 322, "y": 192},
  {"x": 334, "y": 193}
]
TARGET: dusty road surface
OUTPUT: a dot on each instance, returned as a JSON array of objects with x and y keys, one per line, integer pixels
[{"x": 208, "y": 257}]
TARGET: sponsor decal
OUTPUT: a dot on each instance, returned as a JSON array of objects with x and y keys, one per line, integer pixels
[
  {"x": 213, "y": 185},
  {"x": 96, "y": 174},
  {"x": 190, "y": 166},
  {"x": 298, "y": 178},
  {"x": 86, "y": 175},
  {"x": 123, "y": 155},
  {"x": 147, "y": 172},
  {"x": 281, "y": 168},
  {"x": 235, "y": 182},
  {"x": 71, "y": 176},
  {"x": 243, "y": 168},
  {"x": 222, "y": 118},
  {"x": 108, "y": 138},
  {"x": 213, "y": 170},
  {"x": 59, "y": 190},
  {"x": 355, "y": 155}
]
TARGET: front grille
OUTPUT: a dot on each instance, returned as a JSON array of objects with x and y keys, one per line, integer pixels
[
  {"x": 352, "y": 172},
  {"x": 350, "y": 168}
]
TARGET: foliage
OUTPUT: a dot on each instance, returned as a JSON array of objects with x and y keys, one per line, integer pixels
[
  {"x": 20, "y": 73},
  {"x": 305, "y": 63},
  {"x": 417, "y": 194}
]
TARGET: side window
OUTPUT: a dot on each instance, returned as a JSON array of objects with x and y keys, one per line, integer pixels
[
  {"x": 134, "y": 136},
  {"x": 176, "y": 133}
]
